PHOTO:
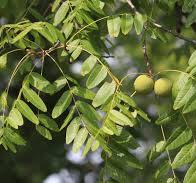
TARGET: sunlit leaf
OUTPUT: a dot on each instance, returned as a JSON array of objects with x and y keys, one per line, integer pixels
[
  {"x": 62, "y": 104},
  {"x": 79, "y": 139},
  {"x": 126, "y": 23},
  {"x": 185, "y": 156},
  {"x": 98, "y": 74},
  {"x": 26, "y": 111},
  {"x": 72, "y": 130},
  {"x": 104, "y": 93},
  {"x": 138, "y": 23},
  {"x": 88, "y": 64},
  {"x": 15, "y": 118},
  {"x": 113, "y": 24},
  {"x": 34, "y": 98},
  {"x": 61, "y": 13}
]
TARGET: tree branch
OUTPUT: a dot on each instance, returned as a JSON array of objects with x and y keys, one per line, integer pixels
[
  {"x": 174, "y": 33},
  {"x": 146, "y": 59}
]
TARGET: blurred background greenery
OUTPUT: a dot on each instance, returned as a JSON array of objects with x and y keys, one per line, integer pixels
[{"x": 52, "y": 161}]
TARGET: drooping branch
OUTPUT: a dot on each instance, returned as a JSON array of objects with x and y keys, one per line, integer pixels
[{"x": 161, "y": 27}]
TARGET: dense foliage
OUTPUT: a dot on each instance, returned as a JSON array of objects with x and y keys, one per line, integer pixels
[{"x": 97, "y": 109}]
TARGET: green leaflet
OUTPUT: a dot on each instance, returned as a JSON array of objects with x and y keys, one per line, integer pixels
[
  {"x": 192, "y": 60},
  {"x": 34, "y": 98},
  {"x": 183, "y": 138},
  {"x": 179, "y": 84},
  {"x": 123, "y": 157},
  {"x": 95, "y": 145},
  {"x": 88, "y": 111},
  {"x": 62, "y": 104},
  {"x": 179, "y": 130},
  {"x": 126, "y": 98},
  {"x": 76, "y": 53},
  {"x": 22, "y": 34},
  {"x": 125, "y": 110},
  {"x": 125, "y": 139},
  {"x": 73, "y": 45},
  {"x": 7, "y": 144},
  {"x": 3, "y": 61},
  {"x": 138, "y": 23},
  {"x": 61, "y": 13},
  {"x": 120, "y": 118},
  {"x": 156, "y": 150},
  {"x": 110, "y": 127},
  {"x": 191, "y": 18},
  {"x": 44, "y": 132},
  {"x": 88, "y": 65},
  {"x": 87, "y": 146},
  {"x": 26, "y": 111},
  {"x": 45, "y": 32},
  {"x": 53, "y": 32},
  {"x": 162, "y": 171},
  {"x": 190, "y": 106},
  {"x": 185, "y": 94},
  {"x": 103, "y": 94},
  {"x": 67, "y": 29},
  {"x": 79, "y": 139},
  {"x": 167, "y": 118},
  {"x": 55, "y": 5},
  {"x": 68, "y": 118},
  {"x": 48, "y": 122},
  {"x": 113, "y": 24},
  {"x": 83, "y": 92},
  {"x": 190, "y": 176},
  {"x": 98, "y": 74},
  {"x": 60, "y": 83},
  {"x": 184, "y": 156},
  {"x": 15, "y": 118},
  {"x": 72, "y": 130},
  {"x": 40, "y": 83},
  {"x": 14, "y": 137},
  {"x": 126, "y": 23}
]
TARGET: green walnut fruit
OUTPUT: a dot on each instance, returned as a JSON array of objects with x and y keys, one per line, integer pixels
[
  {"x": 143, "y": 84},
  {"x": 163, "y": 87}
]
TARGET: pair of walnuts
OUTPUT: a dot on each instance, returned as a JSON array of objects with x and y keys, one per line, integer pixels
[{"x": 144, "y": 84}]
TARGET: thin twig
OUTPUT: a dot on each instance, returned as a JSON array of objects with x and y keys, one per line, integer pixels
[{"x": 146, "y": 59}]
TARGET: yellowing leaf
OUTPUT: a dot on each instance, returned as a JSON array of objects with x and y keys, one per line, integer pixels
[{"x": 113, "y": 24}]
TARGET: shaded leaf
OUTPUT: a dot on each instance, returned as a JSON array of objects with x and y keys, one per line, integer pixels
[
  {"x": 44, "y": 132},
  {"x": 83, "y": 92},
  {"x": 48, "y": 122}
]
